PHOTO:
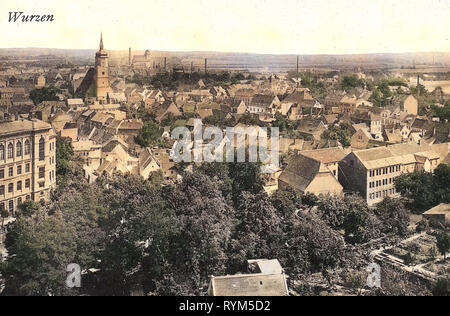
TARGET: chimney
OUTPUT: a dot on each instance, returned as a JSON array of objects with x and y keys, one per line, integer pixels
[
  {"x": 129, "y": 56},
  {"x": 206, "y": 65},
  {"x": 418, "y": 87}
]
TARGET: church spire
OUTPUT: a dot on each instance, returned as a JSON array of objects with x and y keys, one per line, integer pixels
[{"x": 101, "y": 41}]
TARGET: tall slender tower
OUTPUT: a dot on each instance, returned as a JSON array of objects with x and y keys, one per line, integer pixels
[{"x": 102, "y": 87}]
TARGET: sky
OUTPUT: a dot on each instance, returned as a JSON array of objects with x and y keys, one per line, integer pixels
[{"x": 253, "y": 26}]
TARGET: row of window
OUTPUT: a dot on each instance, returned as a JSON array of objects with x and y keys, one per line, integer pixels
[
  {"x": 259, "y": 110},
  {"x": 21, "y": 150},
  {"x": 382, "y": 194},
  {"x": 18, "y": 186},
  {"x": 19, "y": 171},
  {"x": 384, "y": 171},
  {"x": 27, "y": 182},
  {"x": 380, "y": 183}
]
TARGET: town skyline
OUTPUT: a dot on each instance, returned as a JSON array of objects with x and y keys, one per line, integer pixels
[{"x": 225, "y": 149}]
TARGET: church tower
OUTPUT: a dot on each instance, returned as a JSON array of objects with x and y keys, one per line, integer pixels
[{"x": 102, "y": 87}]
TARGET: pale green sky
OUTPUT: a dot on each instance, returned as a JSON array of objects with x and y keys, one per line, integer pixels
[{"x": 260, "y": 26}]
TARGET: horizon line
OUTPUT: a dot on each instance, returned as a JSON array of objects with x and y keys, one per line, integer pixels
[{"x": 233, "y": 52}]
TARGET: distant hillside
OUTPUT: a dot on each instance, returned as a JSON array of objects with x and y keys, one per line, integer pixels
[{"x": 254, "y": 62}]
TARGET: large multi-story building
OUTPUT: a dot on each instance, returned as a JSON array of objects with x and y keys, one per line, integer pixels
[
  {"x": 372, "y": 172},
  {"x": 27, "y": 162}
]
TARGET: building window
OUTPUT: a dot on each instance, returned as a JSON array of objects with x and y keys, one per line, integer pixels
[
  {"x": 2, "y": 173},
  {"x": 10, "y": 172},
  {"x": 42, "y": 173},
  {"x": 2, "y": 190},
  {"x": 19, "y": 170},
  {"x": 27, "y": 183},
  {"x": 10, "y": 188},
  {"x": 19, "y": 201},
  {"x": 19, "y": 149},
  {"x": 19, "y": 186},
  {"x": 42, "y": 149},
  {"x": 27, "y": 147},
  {"x": 10, "y": 151},
  {"x": 11, "y": 206},
  {"x": 2, "y": 206},
  {"x": 27, "y": 167},
  {"x": 2, "y": 152}
]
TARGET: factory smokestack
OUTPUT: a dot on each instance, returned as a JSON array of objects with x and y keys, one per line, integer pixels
[{"x": 129, "y": 56}]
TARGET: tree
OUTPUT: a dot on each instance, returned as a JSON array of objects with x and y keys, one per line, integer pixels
[
  {"x": 220, "y": 173},
  {"x": 149, "y": 135},
  {"x": 352, "y": 215},
  {"x": 425, "y": 190},
  {"x": 333, "y": 211},
  {"x": 83, "y": 207},
  {"x": 417, "y": 187},
  {"x": 351, "y": 82},
  {"x": 443, "y": 243},
  {"x": 245, "y": 177},
  {"x": 135, "y": 221},
  {"x": 204, "y": 225},
  {"x": 250, "y": 119},
  {"x": 287, "y": 202},
  {"x": 64, "y": 156},
  {"x": 394, "y": 217},
  {"x": 441, "y": 183},
  {"x": 442, "y": 113},
  {"x": 44, "y": 94},
  {"x": 283, "y": 123},
  {"x": 28, "y": 208},
  {"x": 310, "y": 246},
  {"x": 39, "y": 248},
  {"x": 381, "y": 94},
  {"x": 341, "y": 133},
  {"x": 360, "y": 224},
  {"x": 258, "y": 232}
]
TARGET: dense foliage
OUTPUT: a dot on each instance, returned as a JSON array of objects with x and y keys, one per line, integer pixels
[
  {"x": 131, "y": 234},
  {"x": 44, "y": 94},
  {"x": 149, "y": 135},
  {"x": 342, "y": 133},
  {"x": 424, "y": 190}
]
